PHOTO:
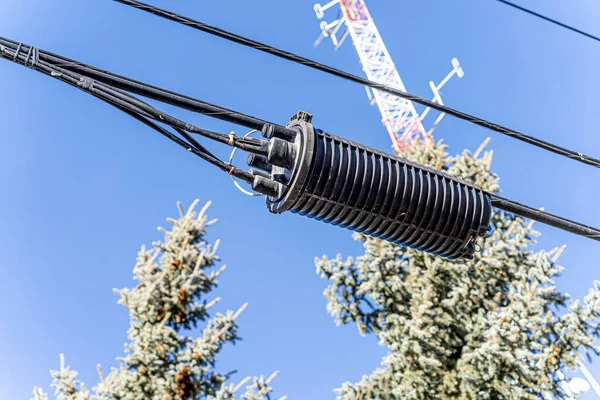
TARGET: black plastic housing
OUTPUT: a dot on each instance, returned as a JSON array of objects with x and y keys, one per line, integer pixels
[{"x": 365, "y": 190}]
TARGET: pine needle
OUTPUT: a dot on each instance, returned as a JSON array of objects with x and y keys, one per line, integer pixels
[{"x": 481, "y": 148}]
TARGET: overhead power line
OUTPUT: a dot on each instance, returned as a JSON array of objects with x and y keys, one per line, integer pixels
[
  {"x": 149, "y": 91},
  {"x": 36, "y": 59},
  {"x": 580, "y": 157},
  {"x": 312, "y": 173},
  {"x": 528, "y": 11}
]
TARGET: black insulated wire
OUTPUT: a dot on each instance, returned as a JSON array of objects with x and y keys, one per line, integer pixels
[
  {"x": 530, "y": 12},
  {"x": 194, "y": 142},
  {"x": 147, "y": 90},
  {"x": 192, "y": 146},
  {"x": 205, "y": 155},
  {"x": 580, "y": 157},
  {"x": 104, "y": 90},
  {"x": 136, "y": 109},
  {"x": 546, "y": 218}
]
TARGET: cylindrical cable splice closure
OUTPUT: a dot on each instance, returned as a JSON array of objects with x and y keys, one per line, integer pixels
[{"x": 365, "y": 190}]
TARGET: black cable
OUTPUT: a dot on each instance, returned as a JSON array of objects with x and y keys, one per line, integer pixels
[
  {"x": 146, "y": 90},
  {"x": 194, "y": 142},
  {"x": 508, "y": 3},
  {"x": 193, "y": 147},
  {"x": 128, "y": 101},
  {"x": 162, "y": 95},
  {"x": 545, "y": 217},
  {"x": 249, "y": 144},
  {"x": 363, "y": 81},
  {"x": 133, "y": 107},
  {"x": 207, "y": 156}
]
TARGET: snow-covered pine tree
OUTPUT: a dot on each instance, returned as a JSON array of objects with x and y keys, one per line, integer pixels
[
  {"x": 494, "y": 327},
  {"x": 162, "y": 362}
]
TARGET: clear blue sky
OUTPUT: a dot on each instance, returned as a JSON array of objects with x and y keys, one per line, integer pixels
[{"x": 83, "y": 185}]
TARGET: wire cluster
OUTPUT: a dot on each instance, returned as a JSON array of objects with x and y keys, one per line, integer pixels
[{"x": 114, "y": 90}]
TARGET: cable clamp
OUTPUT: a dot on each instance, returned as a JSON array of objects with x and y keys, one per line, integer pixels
[
  {"x": 86, "y": 83},
  {"x": 231, "y": 141},
  {"x": 17, "y": 52},
  {"x": 35, "y": 56}
]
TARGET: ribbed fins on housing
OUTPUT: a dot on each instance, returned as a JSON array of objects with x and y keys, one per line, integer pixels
[{"x": 385, "y": 196}]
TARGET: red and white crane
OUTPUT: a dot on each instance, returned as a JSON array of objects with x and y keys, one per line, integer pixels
[{"x": 399, "y": 116}]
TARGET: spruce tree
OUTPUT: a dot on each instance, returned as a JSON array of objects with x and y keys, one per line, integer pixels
[
  {"x": 494, "y": 327},
  {"x": 162, "y": 361}
]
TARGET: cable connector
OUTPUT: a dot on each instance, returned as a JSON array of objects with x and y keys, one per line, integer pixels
[
  {"x": 270, "y": 131},
  {"x": 266, "y": 186},
  {"x": 281, "y": 153},
  {"x": 258, "y": 161}
]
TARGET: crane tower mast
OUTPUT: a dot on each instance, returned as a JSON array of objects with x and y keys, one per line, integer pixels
[{"x": 399, "y": 116}]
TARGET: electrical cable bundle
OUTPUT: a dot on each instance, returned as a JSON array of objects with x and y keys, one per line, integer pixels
[
  {"x": 309, "y": 172},
  {"x": 65, "y": 70}
]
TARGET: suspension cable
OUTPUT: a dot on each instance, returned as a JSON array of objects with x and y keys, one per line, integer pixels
[
  {"x": 580, "y": 157},
  {"x": 545, "y": 217},
  {"x": 146, "y": 90},
  {"x": 528, "y": 11},
  {"x": 137, "y": 109}
]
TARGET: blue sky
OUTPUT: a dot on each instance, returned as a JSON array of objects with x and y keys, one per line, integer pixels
[{"x": 83, "y": 186}]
